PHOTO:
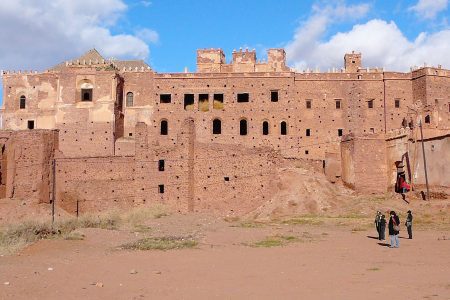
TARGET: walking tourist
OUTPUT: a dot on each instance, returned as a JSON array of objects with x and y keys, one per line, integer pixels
[{"x": 382, "y": 228}]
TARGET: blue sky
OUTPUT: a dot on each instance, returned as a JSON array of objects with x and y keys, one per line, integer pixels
[{"x": 166, "y": 33}]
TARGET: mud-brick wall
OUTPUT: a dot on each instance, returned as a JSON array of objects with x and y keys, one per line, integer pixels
[
  {"x": 233, "y": 179},
  {"x": 97, "y": 184},
  {"x": 363, "y": 163},
  {"x": 28, "y": 170}
]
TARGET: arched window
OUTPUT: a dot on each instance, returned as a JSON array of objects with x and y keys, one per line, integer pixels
[
  {"x": 427, "y": 119},
  {"x": 129, "y": 99},
  {"x": 283, "y": 128},
  {"x": 86, "y": 91},
  {"x": 265, "y": 128},
  {"x": 22, "y": 102},
  {"x": 217, "y": 126},
  {"x": 164, "y": 127},
  {"x": 243, "y": 127}
]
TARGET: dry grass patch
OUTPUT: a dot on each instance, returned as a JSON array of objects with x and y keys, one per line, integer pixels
[
  {"x": 274, "y": 241},
  {"x": 161, "y": 243}
]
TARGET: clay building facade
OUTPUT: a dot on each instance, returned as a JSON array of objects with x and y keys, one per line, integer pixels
[{"x": 117, "y": 120}]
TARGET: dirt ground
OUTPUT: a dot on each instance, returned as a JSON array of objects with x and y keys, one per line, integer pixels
[{"x": 324, "y": 260}]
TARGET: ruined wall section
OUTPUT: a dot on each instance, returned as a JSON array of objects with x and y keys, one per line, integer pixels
[
  {"x": 40, "y": 92},
  {"x": 364, "y": 163},
  {"x": 27, "y": 164}
]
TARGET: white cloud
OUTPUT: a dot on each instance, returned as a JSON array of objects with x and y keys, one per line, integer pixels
[
  {"x": 39, "y": 34},
  {"x": 307, "y": 36},
  {"x": 428, "y": 9},
  {"x": 382, "y": 44},
  {"x": 148, "y": 35}
]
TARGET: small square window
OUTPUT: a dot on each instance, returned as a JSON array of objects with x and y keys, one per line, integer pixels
[
  {"x": 370, "y": 103},
  {"x": 308, "y": 132},
  {"x": 397, "y": 103},
  {"x": 306, "y": 152},
  {"x": 130, "y": 134},
  {"x": 243, "y": 97},
  {"x": 308, "y": 104},
  {"x": 340, "y": 131},
  {"x": 226, "y": 178},
  {"x": 30, "y": 124},
  {"x": 274, "y": 96},
  {"x": 161, "y": 188},
  {"x": 165, "y": 98}
]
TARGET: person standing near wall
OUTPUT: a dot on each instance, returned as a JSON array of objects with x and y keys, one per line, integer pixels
[
  {"x": 394, "y": 229},
  {"x": 382, "y": 228},
  {"x": 377, "y": 222},
  {"x": 408, "y": 224}
]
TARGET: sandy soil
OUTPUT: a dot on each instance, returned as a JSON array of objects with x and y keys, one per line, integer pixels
[{"x": 327, "y": 262}]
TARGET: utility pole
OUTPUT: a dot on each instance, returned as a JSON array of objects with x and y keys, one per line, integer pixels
[
  {"x": 53, "y": 189},
  {"x": 424, "y": 160}
]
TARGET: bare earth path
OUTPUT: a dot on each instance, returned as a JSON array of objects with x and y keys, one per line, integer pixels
[{"x": 327, "y": 262}]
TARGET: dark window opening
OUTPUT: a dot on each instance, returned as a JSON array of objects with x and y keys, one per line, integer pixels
[
  {"x": 370, "y": 104},
  {"x": 283, "y": 128},
  {"x": 161, "y": 165},
  {"x": 274, "y": 96},
  {"x": 188, "y": 101},
  {"x": 265, "y": 128},
  {"x": 308, "y": 104},
  {"x": 397, "y": 103},
  {"x": 86, "y": 94},
  {"x": 203, "y": 102},
  {"x": 22, "y": 102},
  {"x": 308, "y": 132},
  {"x": 164, "y": 127},
  {"x": 217, "y": 126},
  {"x": 427, "y": 119},
  {"x": 30, "y": 124},
  {"x": 165, "y": 98},
  {"x": 218, "y": 101},
  {"x": 226, "y": 178},
  {"x": 243, "y": 97},
  {"x": 161, "y": 188},
  {"x": 372, "y": 130},
  {"x": 338, "y": 104},
  {"x": 130, "y": 99},
  {"x": 306, "y": 152},
  {"x": 130, "y": 134},
  {"x": 243, "y": 127},
  {"x": 340, "y": 131}
]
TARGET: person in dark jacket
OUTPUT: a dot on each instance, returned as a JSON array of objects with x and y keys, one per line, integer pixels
[
  {"x": 408, "y": 224},
  {"x": 394, "y": 229},
  {"x": 382, "y": 228},
  {"x": 377, "y": 221}
]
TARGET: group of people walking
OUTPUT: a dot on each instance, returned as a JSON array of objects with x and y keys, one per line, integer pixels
[{"x": 393, "y": 227}]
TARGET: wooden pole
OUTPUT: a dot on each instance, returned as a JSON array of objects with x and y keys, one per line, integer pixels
[
  {"x": 424, "y": 161},
  {"x": 53, "y": 189}
]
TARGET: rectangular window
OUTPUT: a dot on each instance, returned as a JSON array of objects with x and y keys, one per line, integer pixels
[
  {"x": 86, "y": 94},
  {"x": 449, "y": 107},
  {"x": 306, "y": 152},
  {"x": 30, "y": 124},
  {"x": 161, "y": 165},
  {"x": 203, "y": 102},
  {"x": 161, "y": 188},
  {"x": 226, "y": 178},
  {"x": 188, "y": 101},
  {"x": 308, "y": 132},
  {"x": 308, "y": 104},
  {"x": 274, "y": 96},
  {"x": 370, "y": 103},
  {"x": 340, "y": 131},
  {"x": 338, "y": 104},
  {"x": 243, "y": 97},
  {"x": 165, "y": 98},
  {"x": 372, "y": 130},
  {"x": 397, "y": 103},
  {"x": 218, "y": 101}
]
